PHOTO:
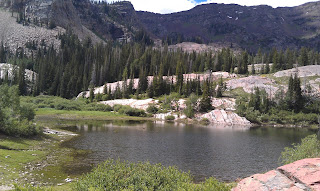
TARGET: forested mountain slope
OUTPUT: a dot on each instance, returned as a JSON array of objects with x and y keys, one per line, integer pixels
[{"x": 250, "y": 27}]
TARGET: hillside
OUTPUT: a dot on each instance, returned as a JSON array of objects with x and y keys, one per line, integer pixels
[
  {"x": 15, "y": 35},
  {"x": 250, "y": 27},
  {"x": 222, "y": 24}
]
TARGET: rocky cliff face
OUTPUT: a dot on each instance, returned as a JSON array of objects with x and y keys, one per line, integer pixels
[{"x": 98, "y": 21}]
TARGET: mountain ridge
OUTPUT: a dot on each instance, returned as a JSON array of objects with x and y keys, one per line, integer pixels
[{"x": 249, "y": 27}]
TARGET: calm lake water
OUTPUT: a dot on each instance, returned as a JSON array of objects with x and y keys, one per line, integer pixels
[{"x": 226, "y": 154}]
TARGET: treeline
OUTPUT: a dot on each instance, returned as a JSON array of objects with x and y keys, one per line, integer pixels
[{"x": 76, "y": 66}]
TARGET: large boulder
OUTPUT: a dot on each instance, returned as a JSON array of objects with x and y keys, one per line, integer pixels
[
  {"x": 301, "y": 175},
  {"x": 228, "y": 118}
]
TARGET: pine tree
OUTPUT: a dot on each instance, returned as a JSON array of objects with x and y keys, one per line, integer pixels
[
  {"x": 105, "y": 89},
  {"x": 262, "y": 70},
  {"x": 253, "y": 70},
  {"x": 179, "y": 77},
  {"x": 220, "y": 88},
  {"x": 297, "y": 96},
  {"x": 255, "y": 100},
  {"x": 91, "y": 98},
  {"x": 304, "y": 56},
  {"x": 267, "y": 69},
  {"x": 205, "y": 102},
  {"x": 289, "y": 94},
  {"x": 130, "y": 87},
  {"x": 22, "y": 82},
  {"x": 110, "y": 94},
  {"x": 265, "y": 103},
  {"x": 143, "y": 81}
]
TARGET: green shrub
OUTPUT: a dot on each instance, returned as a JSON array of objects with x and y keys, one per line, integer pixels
[
  {"x": 17, "y": 127},
  {"x": 96, "y": 107},
  {"x": 170, "y": 118},
  {"x": 214, "y": 184},
  {"x": 117, "y": 175},
  {"x": 30, "y": 188},
  {"x": 152, "y": 109},
  {"x": 16, "y": 119},
  {"x": 253, "y": 115},
  {"x": 308, "y": 148},
  {"x": 27, "y": 112},
  {"x": 67, "y": 105},
  {"x": 192, "y": 103},
  {"x": 204, "y": 121},
  {"x": 127, "y": 110},
  {"x": 116, "y": 108}
]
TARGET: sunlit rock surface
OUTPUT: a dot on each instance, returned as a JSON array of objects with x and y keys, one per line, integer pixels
[
  {"x": 250, "y": 83},
  {"x": 301, "y": 175},
  {"x": 170, "y": 79},
  {"x": 304, "y": 71},
  {"x": 225, "y": 117}
]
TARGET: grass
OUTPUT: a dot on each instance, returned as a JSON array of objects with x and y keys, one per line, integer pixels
[
  {"x": 85, "y": 115},
  {"x": 235, "y": 93},
  {"x": 15, "y": 153},
  {"x": 40, "y": 160}
]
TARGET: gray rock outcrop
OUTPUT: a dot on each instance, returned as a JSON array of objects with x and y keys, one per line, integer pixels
[{"x": 229, "y": 118}]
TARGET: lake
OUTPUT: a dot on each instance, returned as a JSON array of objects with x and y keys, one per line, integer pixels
[{"x": 224, "y": 153}]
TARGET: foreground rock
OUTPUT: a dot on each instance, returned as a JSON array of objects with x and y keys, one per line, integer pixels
[{"x": 303, "y": 175}]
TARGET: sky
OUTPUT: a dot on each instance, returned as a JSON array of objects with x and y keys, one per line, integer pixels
[{"x": 171, "y": 6}]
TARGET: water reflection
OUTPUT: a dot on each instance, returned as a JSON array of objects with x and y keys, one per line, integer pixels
[{"x": 226, "y": 154}]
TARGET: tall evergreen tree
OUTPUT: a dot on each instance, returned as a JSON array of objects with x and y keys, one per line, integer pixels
[
  {"x": 179, "y": 77},
  {"x": 205, "y": 102},
  {"x": 22, "y": 82}
]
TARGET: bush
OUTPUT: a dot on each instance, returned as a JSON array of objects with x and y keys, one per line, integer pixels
[
  {"x": 17, "y": 127},
  {"x": 152, "y": 109},
  {"x": 27, "y": 112},
  {"x": 117, "y": 175},
  {"x": 30, "y": 188},
  {"x": 97, "y": 107},
  {"x": 308, "y": 148},
  {"x": 214, "y": 184},
  {"x": 253, "y": 115},
  {"x": 127, "y": 110},
  {"x": 205, "y": 121},
  {"x": 67, "y": 105},
  {"x": 15, "y": 120},
  {"x": 170, "y": 118}
]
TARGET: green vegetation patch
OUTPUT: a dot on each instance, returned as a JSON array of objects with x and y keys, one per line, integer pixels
[
  {"x": 117, "y": 175},
  {"x": 308, "y": 148},
  {"x": 15, "y": 154}
]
